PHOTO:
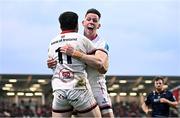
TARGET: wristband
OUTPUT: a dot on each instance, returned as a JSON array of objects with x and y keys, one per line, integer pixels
[{"x": 77, "y": 54}]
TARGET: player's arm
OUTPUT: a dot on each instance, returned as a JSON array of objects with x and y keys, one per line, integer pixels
[
  {"x": 98, "y": 61},
  {"x": 146, "y": 103},
  {"x": 145, "y": 108},
  {"x": 171, "y": 103},
  {"x": 51, "y": 63}
]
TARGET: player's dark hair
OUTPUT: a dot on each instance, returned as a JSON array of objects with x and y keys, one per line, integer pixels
[
  {"x": 94, "y": 11},
  {"x": 68, "y": 20},
  {"x": 159, "y": 78}
]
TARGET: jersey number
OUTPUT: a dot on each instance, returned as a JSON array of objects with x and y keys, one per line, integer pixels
[{"x": 69, "y": 59}]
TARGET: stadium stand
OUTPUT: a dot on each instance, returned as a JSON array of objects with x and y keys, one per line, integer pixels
[{"x": 30, "y": 95}]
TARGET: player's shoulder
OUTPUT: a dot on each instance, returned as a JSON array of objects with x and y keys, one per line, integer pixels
[
  {"x": 55, "y": 38},
  {"x": 53, "y": 41},
  {"x": 103, "y": 43},
  {"x": 100, "y": 39},
  {"x": 152, "y": 93},
  {"x": 79, "y": 35},
  {"x": 167, "y": 92}
]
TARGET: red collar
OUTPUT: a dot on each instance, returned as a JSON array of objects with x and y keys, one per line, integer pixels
[{"x": 67, "y": 31}]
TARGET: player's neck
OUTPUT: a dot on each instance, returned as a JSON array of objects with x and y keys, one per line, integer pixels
[
  {"x": 91, "y": 37},
  {"x": 159, "y": 91},
  {"x": 67, "y": 31}
]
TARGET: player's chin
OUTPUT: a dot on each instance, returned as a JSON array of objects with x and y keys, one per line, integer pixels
[{"x": 159, "y": 88}]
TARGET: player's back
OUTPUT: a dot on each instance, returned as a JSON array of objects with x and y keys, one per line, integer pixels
[{"x": 69, "y": 72}]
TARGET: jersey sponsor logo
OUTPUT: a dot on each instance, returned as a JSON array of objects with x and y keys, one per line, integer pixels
[
  {"x": 104, "y": 100},
  {"x": 57, "y": 41},
  {"x": 81, "y": 83},
  {"x": 66, "y": 75},
  {"x": 68, "y": 39},
  {"x": 156, "y": 100},
  {"x": 54, "y": 42}
]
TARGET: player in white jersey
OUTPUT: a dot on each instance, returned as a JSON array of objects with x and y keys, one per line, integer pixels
[
  {"x": 98, "y": 83},
  {"x": 95, "y": 76},
  {"x": 69, "y": 81}
]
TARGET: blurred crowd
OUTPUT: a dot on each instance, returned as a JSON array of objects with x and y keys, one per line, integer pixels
[
  {"x": 133, "y": 109},
  {"x": 32, "y": 109},
  {"x": 127, "y": 109},
  {"x": 24, "y": 109}
]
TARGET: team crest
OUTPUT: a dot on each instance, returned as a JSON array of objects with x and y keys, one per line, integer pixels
[{"x": 66, "y": 75}]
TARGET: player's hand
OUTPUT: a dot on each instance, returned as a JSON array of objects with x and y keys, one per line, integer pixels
[
  {"x": 68, "y": 49},
  {"x": 148, "y": 111},
  {"x": 163, "y": 100},
  {"x": 51, "y": 63}
]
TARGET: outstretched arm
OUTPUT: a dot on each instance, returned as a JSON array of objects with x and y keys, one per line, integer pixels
[{"x": 98, "y": 61}]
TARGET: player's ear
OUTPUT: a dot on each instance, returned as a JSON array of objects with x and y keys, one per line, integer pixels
[{"x": 99, "y": 26}]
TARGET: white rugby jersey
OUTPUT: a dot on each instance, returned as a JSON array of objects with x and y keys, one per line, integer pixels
[
  {"x": 93, "y": 75},
  {"x": 70, "y": 72}
]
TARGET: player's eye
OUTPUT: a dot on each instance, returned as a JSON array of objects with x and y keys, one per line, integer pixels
[
  {"x": 88, "y": 19},
  {"x": 95, "y": 20},
  {"x": 159, "y": 83}
]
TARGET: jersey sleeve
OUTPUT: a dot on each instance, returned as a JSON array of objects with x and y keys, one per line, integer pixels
[
  {"x": 104, "y": 46},
  {"x": 171, "y": 97},
  {"x": 50, "y": 52}
]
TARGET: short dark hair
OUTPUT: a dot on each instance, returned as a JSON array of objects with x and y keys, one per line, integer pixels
[
  {"x": 159, "y": 78},
  {"x": 95, "y": 11},
  {"x": 68, "y": 20}
]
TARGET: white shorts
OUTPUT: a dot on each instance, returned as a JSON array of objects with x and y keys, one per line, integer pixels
[
  {"x": 67, "y": 100},
  {"x": 102, "y": 97}
]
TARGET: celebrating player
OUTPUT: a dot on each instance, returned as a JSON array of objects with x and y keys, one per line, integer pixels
[
  {"x": 96, "y": 77},
  {"x": 69, "y": 82}
]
